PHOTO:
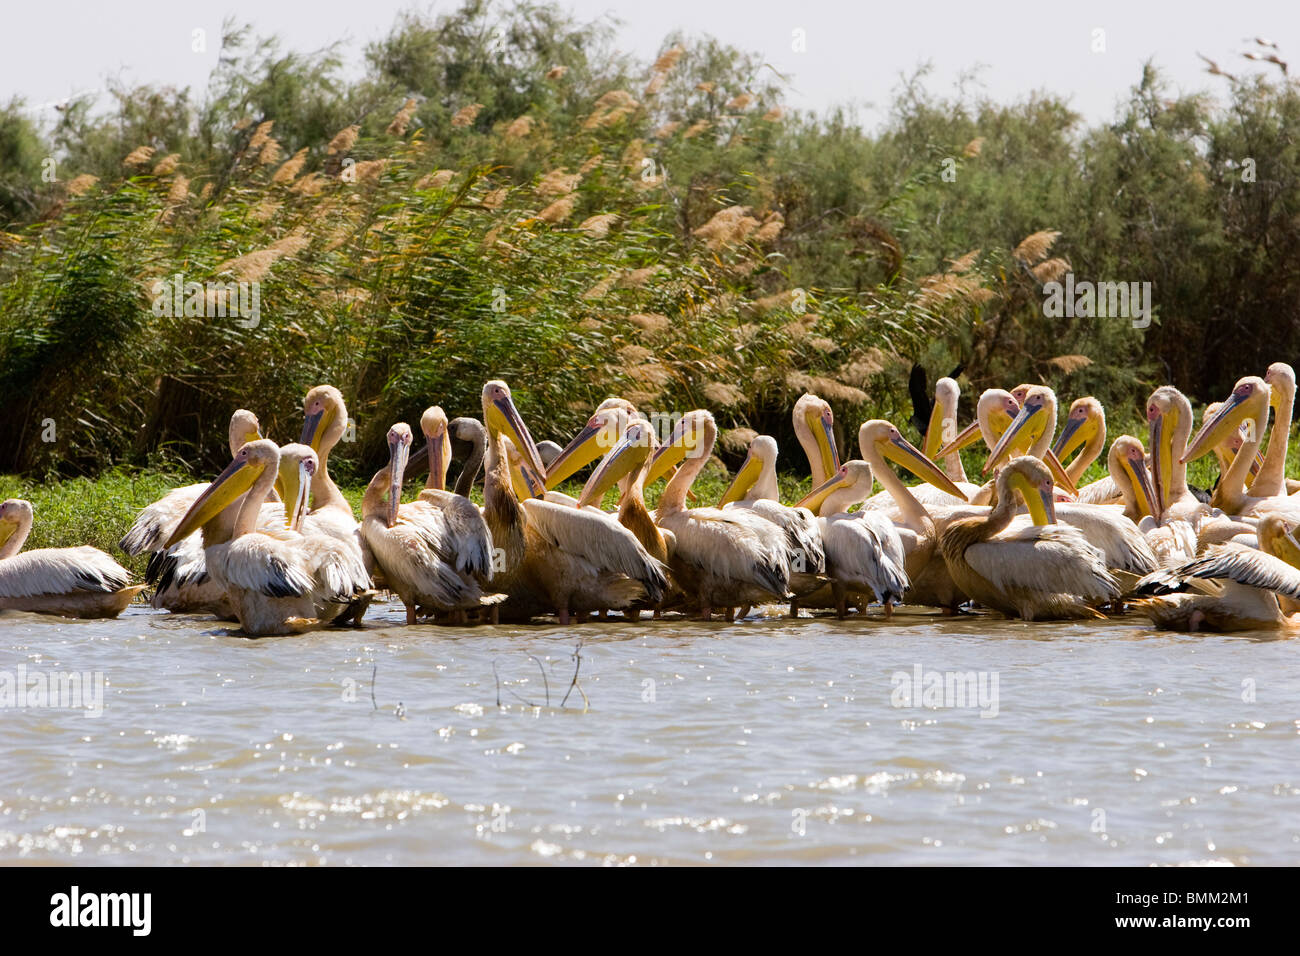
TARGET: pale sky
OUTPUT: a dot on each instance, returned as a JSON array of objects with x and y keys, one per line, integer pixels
[{"x": 855, "y": 50}]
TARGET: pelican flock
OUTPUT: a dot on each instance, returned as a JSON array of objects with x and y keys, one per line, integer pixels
[{"x": 275, "y": 544}]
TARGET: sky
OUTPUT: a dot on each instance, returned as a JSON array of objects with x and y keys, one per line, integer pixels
[{"x": 848, "y": 52}]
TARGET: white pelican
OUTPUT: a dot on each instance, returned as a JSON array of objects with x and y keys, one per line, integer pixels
[
  {"x": 626, "y": 464},
  {"x": 281, "y": 584},
  {"x": 755, "y": 488},
  {"x": 724, "y": 558},
  {"x": 1249, "y": 403},
  {"x": 1247, "y": 586},
  {"x": 942, "y": 429},
  {"x": 864, "y": 552},
  {"x": 71, "y": 582},
  {"x": 554, "y": 558},
  {"x": 931, "y": 584},
  {"x": 1085, "y": 428},
  {"x": 814, "y": 428},
  {"x": 1042, "y": 571},
  {"x": 1271, "y": 479},
  {"x": 178, "y": 574},
  {"x": 1034, "y": 425},
  {"x": 436, "y": 553}
]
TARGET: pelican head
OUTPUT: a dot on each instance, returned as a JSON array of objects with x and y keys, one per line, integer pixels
[
  {"x": 761, "y": 455},
  {"x": 1037, "y": 414},
  {"x": 244, "y": 427},
  {"x": 1020, "y": 392},
  {"x": 399, "y": 450},
  {"x": 325, "y": 417},
  {"x": 1248, "y": 402},
  {"x": 298, "y": 464},
  {"x": 1280, "y": 378},
  {"x": 946, "y": 395},
  {"x": 851, "y": 484},
  {"x": 1129, "y": 458},
  {"x": 15, "y": 519},
  {"x": 602, "y": 432},
  {"x": 1033, "y": 481},
  {"x": 626, "y": 457},
  {"x": 252, "y": 461},
  {"x": 1085, "y": 422},
  {"x": 1277, "y": 537},
  {"x": 524, "y": 479},
  {"x": 994, "y": 412},
  {"x": 814, "y": 426},
  {"x": 888, "y": 442},
  {"x": 691, "y": 437},
  {"x": 501, "y": 417}
]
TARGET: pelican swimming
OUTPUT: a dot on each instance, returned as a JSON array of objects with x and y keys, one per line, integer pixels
[
  {"x": 278, "y": 584},
  {"x": 1246, "y": 585},
  {"x": 724, "y": 558},
  {"x": 179, "y": 574},
  {"x": 436, "y": 552},
  {"x": 864, "y": 552},
  {"x": 1041, "y": 571},
  {"x": 70, "y": 582}
]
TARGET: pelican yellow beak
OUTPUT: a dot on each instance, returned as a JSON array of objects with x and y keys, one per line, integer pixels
[
  {"x": 1162, "y": 455},
  {"x": 437, "y": 453},
  {"x": 965, "y": 438},
  {"x": 1076, "y": 433},
  {"x": 1143, "y": 488},
  {"x": 1040, "y": 501},
  {"x": 1285, "y": 546},
  {"x": 681, "y": 444},
  {"x": 822, "y": 426},
  {"x": 1059, "y": 474},
  {"x": 933, "y": 440},
  {"x": 816, "y": 498},
  {"x": 7, "y": 528},
  {"x": 316, "y": 425},
  {"x": 902, "y": 452},
  {"x": 597, "y": 437},
  {"x": 1243, "y": 405},
  {"x": 1023, "y": 432},
  {"x": 626, "y": 457},
  {"x": 745, "y": 478},
  {"x": 234, "y": 481},
  {"x": 503, "y": 417}
]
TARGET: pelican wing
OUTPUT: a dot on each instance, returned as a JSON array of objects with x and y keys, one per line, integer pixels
[
  {"x": 338, "y": 568},
  {"x": 467, "y": 540},
  {"x": 1054, "y": 559},
  {"x": 1103, "y": 491},
  {"x": 1224, "y": 563},
  {"x": 733, "y": 543},
  {"x": 409, "y": 552},
  {"x": 156, "y": 522},
  {"x": 61, "y": 571},
  {"x": 599, "y": 539},
  {"x": 269, "y": 566},
  {"x": 866, "y": 547},
  {"x": 802, "y": 533},
  {"x": 1118, "y": 538}
]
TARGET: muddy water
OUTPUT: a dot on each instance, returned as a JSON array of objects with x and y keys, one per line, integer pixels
[{"x": 926, "y": 740}]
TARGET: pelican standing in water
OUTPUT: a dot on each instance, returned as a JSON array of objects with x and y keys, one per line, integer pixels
[
  {"x": 557, "y": 558},
  {"x": 282, "y": 584},
  {"x": 724, "y": 558},
  {"x": 70, "y": 582},
  {"x": 436, "y": 553},
  {"x": 1085, "y": 429},
  {"x": 864, "y": 553},
  {"x": 1248, "y": 586},
  {"x": 814, "y": 428},
  {"x": 1043, "y": 571}
]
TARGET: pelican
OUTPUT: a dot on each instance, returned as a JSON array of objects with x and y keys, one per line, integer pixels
[
  {"x": 468, "y": 440},
  {"x": 1246, "y": 586},
  {"x": 278, "y": 584},
  {"x": 1036, "y": 424},
  {"x": 1085, "y": 428},
  {"x": 1249, "y": 402},
  {"x": 814, "y": 428},
  {"x": 994, "y": 413},
  {"x": 1271, "y": 480},
  {"x": 864, "y": 552},
  {"x": 942, "y": 429},
  {"x": 1169, "y": 541},
  {"x": 555, "y": 558},
  {"x": 626, "y": 464},
  {"x": 70, "y": 582},
  {"x": 931, "y": 584},
  {"x": 436, "y": 553},
  {"x": 755, "y": 488},
  {"x": 1043, "y": 571},
  {"x": 724, "y": 558},
  {"x": 178, "y": 574}
]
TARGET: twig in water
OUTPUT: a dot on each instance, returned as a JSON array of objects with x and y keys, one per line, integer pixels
[
  {"x": 545, "y": 682},
  {"x": 577, "y": 666},
  {"x": 373, "y": 671}
]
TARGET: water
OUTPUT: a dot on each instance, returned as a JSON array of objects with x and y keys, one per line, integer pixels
[{"x": 769, "y": 741}]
